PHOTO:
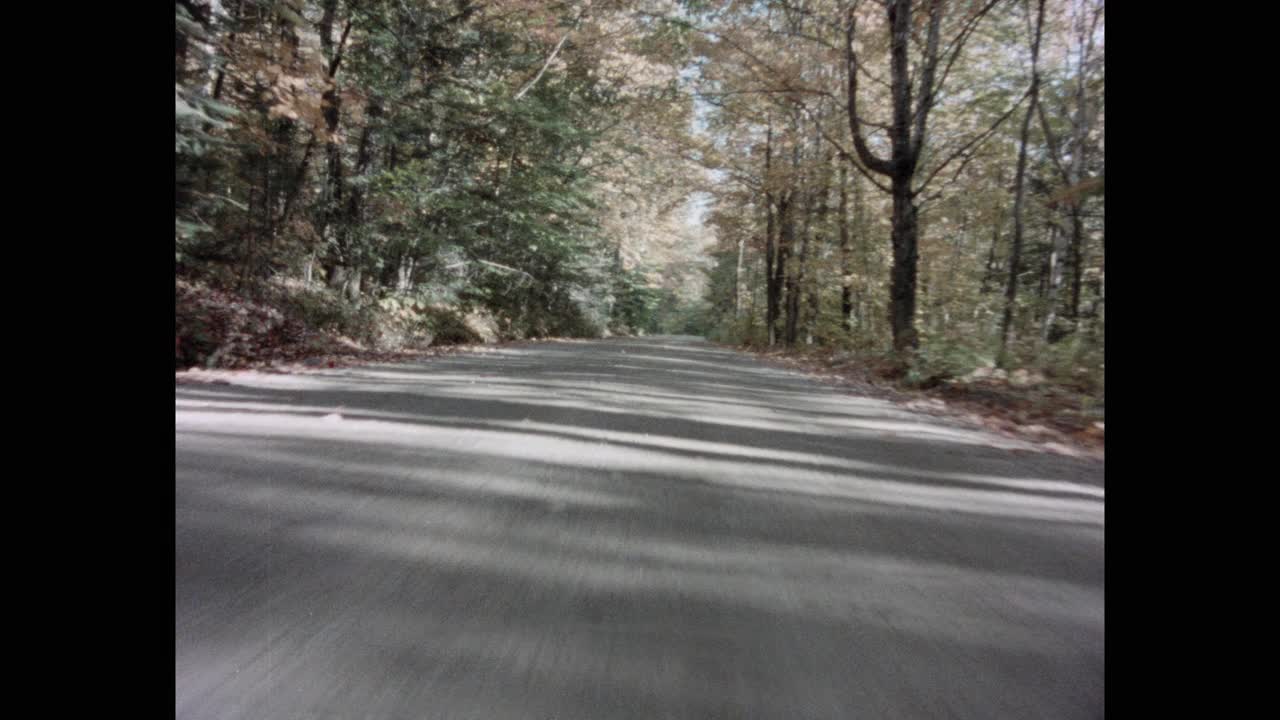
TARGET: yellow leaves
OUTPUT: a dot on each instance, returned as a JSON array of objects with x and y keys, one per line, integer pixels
[
  {"x": 1072, "y": 195},
  {"x": 296, "y": 99},
  {"x": 283, "y": 110},
  {"x": 289, "y": 80}
]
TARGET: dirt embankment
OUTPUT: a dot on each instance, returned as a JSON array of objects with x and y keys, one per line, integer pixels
[{"x": 1021, "y": 404}]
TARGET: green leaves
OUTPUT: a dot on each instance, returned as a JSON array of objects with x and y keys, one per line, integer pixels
[
  {"x": 289, "y": 10},
  {"x": 430, "y": 174},
  {"x": 195, "y": 119},
  {"x": 189, "y": 26}
]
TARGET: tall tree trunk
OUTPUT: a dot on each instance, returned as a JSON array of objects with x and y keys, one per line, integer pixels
[
  {"x": 907, "y": 137},
  {"x": 1077, "y": 261},
  {"x": 737, "y": 278},
  {"x": 404, "y": 274},
  {"x": 992, "y": 267},
  {"x": 793, "y": 298},
  {"x": 907, "y": 140},
  {"x": 846, "y": 254},
  {"x": 770, "y": 260},
  {"x": 771, "y": 249},
  {"x": 991, "y": 271},
  {"x": 784, "y": 277},
  {"x": 1015, "y": 253},
  {"x": 797, "y": 285},
  {"x": 818, "y": 238},
  {"x": 1080, "y": 136},
  {"x": 349, "y": 221},
  {"x": 354, "y": 280},
  {"x": 862, "y": 237},
  {"x": 346, "y": 217},
  {"x": 1058, "y": 247},
  {"x": 795, "y": 273},
  {"x": 942, "y": 314},
  {"x": 1073, "y": 175},
  {"x": 902, "y": 289},
  {"x": 331, "y": 196},
  {"x": 786, "y": 235}
]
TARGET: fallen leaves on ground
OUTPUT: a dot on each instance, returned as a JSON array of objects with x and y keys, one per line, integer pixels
[
  {"x": 347, "y": 357},
  {"x": 1028, "y": 409}
]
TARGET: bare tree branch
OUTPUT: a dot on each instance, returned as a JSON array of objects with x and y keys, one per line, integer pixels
[
  {"x": 872, "y": 162},
  {"x": 952, "y": 51},
  {"x": 556, "y": 51},
  {"x": 926, "y": 79},
  {"x": 785, "y": 91},
  {"x": 974, "y": 141},
  {"x": 1054, "y": 153},
  {"x": 842, "y": 151}
]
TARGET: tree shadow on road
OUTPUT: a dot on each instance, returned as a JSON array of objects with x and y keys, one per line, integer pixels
[{"x": 569, "y": 550}]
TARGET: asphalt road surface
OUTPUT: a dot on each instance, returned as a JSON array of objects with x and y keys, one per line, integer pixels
[{"x": 641, "y": 528}]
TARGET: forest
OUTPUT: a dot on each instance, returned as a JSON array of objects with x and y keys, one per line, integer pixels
[{"x": 916, "y": 187}]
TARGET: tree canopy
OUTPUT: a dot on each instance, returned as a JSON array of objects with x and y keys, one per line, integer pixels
[{"x": 919, "y": 180}]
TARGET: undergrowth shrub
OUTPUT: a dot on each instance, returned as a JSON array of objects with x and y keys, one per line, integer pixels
[
  {"x": 944, "y": 358},
  {"x": 216, "y": 328}
]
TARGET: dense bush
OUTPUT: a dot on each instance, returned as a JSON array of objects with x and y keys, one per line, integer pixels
[{"x": 217, "y": 328}]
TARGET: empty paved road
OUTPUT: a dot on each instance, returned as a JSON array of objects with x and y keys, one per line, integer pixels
[{"x": 646, "y": 529}]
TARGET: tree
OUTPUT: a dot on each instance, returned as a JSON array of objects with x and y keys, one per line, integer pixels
[
  {"x": 913, "y": 97},
  {"x": 1015, "y": 255}
]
